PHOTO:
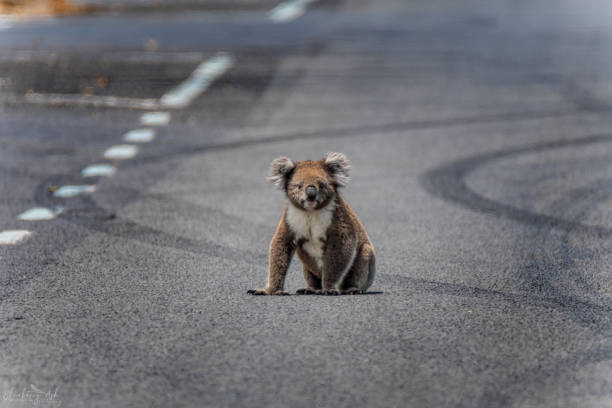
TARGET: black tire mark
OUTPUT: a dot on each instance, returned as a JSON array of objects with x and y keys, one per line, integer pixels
[
  {"x": 353, "y": 131},
  {"x": 593, "y": 316},
  {"x": 86, "y": 212},
  {"x": 542, "y": 271},
  {"x": 448, "y": 182}
]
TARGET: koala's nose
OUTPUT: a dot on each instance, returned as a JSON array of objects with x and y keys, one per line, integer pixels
[{"x": 311, "y": 193}]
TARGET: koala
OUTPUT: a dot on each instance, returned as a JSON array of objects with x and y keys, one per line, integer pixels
[{"x": 317, "y": 223}]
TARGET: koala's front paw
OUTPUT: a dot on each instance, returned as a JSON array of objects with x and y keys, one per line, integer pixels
[
  {"x": 263, "y": 292},
  {"x": 353, "y": 291},
  {"x": 330, "y": 292},
  {"x": 307, "y": 291}
]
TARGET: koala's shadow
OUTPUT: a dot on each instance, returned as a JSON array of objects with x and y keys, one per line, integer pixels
[
  {"x": 374, "y": 292},
  {"x": 369, "y": 293}
]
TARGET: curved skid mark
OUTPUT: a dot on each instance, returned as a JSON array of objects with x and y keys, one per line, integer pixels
[
  {"x": 354, "y": 131},
  {"x": 594, "y": 316},
  {"x": 543, "y": 271},
  {"x": 94, "y": 217},
  {"x": 448, "y": 183}
]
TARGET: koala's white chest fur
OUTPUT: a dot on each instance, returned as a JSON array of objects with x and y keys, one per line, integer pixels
[{"x": 312, "y": 227}]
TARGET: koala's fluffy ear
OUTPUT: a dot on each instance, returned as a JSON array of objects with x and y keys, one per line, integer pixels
[
  {"x": 280, "y": 170},
  {"x": 339, "y": 167}
]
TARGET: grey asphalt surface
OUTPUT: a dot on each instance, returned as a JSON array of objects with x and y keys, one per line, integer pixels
[{"x": 480, "y": 135}]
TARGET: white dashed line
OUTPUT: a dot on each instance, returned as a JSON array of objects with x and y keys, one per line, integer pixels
[
  {"x": 98, "y": 170},
  {"x": 288, "y": 10},
  {"x": 121, "y": 152},
  {"x": 91, "y": 100},
  {"x": 71, "y": 191},
  {"x": 179, "y": 97},
  {"x": 200, "y": 79},
  {"x": 39, "y": 214},
  {"x": 5, "y": 23},
  {"x": 155, "y": 119},
  {"x": 13, "y": 237},
  {"x": 139, "y": 136}
]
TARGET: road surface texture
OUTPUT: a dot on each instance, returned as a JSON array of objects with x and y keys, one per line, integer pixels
[{"x": 480, "y": 133}]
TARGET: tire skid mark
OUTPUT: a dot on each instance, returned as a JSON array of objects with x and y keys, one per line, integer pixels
[
  {"x": 448, "y": 182},
  {"x": 542, "y": 270},
  {"x": 593, "y": 316},
  {"x": 357, "y": 131},
  {"x": 87, "y": 213}
]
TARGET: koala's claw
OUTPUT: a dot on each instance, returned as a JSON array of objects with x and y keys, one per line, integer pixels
[
  {"x": 330, "y": 292},
  {"x": 262, "y": 292},
  {"x": 307, "y": 291}
]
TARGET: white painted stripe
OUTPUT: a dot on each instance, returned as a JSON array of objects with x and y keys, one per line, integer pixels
[
  {"x": 121, "y": 152},
  {"x": 199, "y": 80},
  {"x": 139, "y": 136},
  {"x": 108, "y": 57},
  {"x": 91, "y": 100},
  {"x": 288, "y": 10},
  {"x": 155, "y": 119},
  {"x": 5, "y": 23},
  {"x": 71, "y": 191},
  {"x": 40, "y": 214},
  {"x": 98, "y": 170},
  {"x": 13, "y": 237}
]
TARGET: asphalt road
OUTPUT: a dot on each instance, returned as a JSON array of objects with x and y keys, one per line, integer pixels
[{"x": 480, "y": 135}]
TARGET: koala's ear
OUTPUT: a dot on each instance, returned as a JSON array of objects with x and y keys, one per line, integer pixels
[
  {"x": 339, "y": 167},
  {"x": 280, "y": 170}
]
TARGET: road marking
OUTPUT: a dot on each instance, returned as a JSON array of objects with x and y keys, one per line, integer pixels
[
  {"x": 179, "y": 97},
  {"x": 39, "y": 214},
  {"x": 199, "y": 80},
  {"x": 5, "y": 23},
  {"x": 91, "y": 100},
  {"x": 121, "y": 152},
  {"x": 137, "y": 57},
  {"x": 139, "y": 136},
  {"x": 13, "y": 237},
  {"x": 71, "y": 191},
  {"x": 288, "y": 10},
  {"x": 97, "y": 170},
  {"x": 155, "y": 119}
]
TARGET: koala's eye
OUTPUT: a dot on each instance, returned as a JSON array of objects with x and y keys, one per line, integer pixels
[
  {"x": 298, "y": 185},
  {"x": 321, "y": 185}
]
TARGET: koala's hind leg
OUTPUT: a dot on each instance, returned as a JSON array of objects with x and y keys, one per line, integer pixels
[
  {"x": 360, "y": 276},
  {"x": 313, "y": 282}
]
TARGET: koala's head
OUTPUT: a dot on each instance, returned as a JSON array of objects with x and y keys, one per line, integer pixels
[{"x": 309, "y": 184}]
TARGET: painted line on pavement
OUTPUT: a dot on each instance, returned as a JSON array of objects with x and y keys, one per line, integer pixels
[
  {"x": 13, "y": 237},
  {"x": 73, "y": 190},
  {"x": 91, "y": 100},
  {"x": 5, "y": 23},
  {"x": 155, "y": 119},
  {"x": 138, "y": 57},
  {"x": 121, "y": 152},
  {"x": 98, "y": 170},
  {"x": 179, "y": 97},
  {"x": 39, "y": 214},
  {"x": 139, "y": 136},
  {"x": 199, "y": 80},
  {"x": 288, "y": 10}
]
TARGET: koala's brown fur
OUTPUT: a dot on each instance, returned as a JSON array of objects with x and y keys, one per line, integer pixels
[{"x": 318, "y": 224}]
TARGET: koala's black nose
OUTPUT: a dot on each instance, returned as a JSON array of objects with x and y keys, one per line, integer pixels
[{"x": 311, "y": 193}]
